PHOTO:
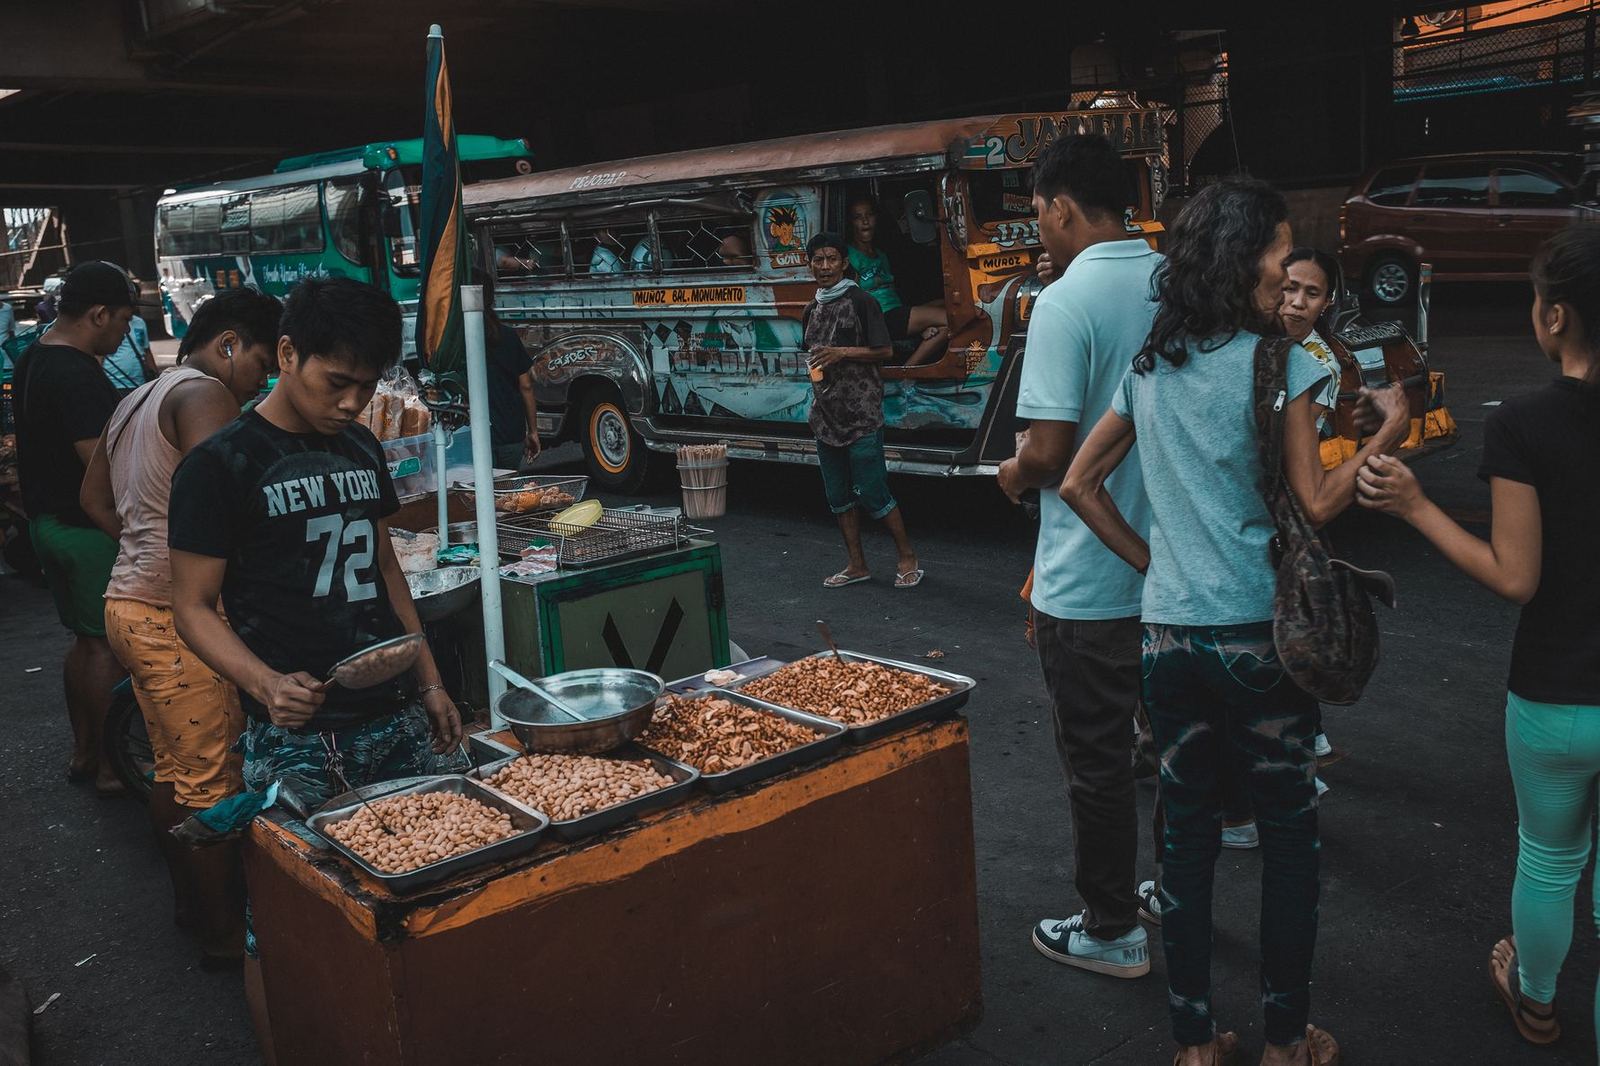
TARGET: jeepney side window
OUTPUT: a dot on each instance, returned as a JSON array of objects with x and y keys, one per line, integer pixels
[
  {"x": 691, "y": 242},
  {"x": 623, "y": 246},
  {"x": 528, "y": 252}
]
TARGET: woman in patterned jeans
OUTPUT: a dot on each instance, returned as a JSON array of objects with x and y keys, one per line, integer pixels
[{"x": 1218, "y": 698}]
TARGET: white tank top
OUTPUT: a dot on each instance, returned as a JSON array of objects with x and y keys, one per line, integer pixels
[{"x": 142, "y": 461}]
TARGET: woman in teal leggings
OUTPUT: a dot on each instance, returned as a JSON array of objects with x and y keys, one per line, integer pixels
[{"x": 1541, "y": 457}]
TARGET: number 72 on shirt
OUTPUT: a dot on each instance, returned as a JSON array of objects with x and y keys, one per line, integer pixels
[{"x": 359, "y": 536}]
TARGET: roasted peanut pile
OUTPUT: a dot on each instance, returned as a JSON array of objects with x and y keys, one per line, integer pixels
[
  {"x": 427, "y": 828},
  {"x": 849, "y": 692},
  {"x": 718, "y": 735},
  {"x": 565, "y": 787}
]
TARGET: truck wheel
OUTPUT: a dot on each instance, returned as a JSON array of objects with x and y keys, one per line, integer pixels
[
  {"x": 615, "y": 453},
  {"x": 1392, "y": 280}
]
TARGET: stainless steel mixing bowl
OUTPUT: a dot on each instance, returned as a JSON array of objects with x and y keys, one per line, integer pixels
[{"x": 612, "y": 707}]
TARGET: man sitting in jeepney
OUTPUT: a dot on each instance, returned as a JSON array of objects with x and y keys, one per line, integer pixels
[
  {"x": 927, "y": 323},
  {"x": 607, "y": 258},
  {"x": 846, "y": 340},
  {"x": 734, "y": 251}
]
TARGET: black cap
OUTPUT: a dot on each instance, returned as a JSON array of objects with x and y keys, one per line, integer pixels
[{"x": 97, "y": 282}]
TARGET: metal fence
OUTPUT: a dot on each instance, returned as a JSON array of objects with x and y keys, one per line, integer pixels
[{"x": 1463, "y": 58}]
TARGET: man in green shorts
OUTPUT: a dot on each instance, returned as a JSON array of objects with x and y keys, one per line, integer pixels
[{"x": 62, "y": 401}]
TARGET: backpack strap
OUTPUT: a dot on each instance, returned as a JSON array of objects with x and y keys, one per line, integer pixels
[{"x": 1271, "y": 396}]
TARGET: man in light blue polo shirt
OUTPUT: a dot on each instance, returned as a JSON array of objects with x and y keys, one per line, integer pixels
[{"x": 1084, "y": 331}]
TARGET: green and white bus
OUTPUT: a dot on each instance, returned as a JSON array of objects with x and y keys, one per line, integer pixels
[{"x": 345, "y": 213}]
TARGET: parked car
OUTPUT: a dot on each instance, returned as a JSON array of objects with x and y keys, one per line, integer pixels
[{"x": 1477, "y": 217}]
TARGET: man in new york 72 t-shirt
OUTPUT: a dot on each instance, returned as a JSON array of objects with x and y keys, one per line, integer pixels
[{"x": 283, "y": 514}]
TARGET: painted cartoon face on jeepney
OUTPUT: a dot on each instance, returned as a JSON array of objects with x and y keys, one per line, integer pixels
[{"x": 782, "y": 221}]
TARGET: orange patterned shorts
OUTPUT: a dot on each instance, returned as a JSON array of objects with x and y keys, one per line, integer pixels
[{"x": 192, "y": 715}]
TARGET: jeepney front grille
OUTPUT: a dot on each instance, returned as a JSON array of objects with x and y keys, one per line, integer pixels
[{"x": 617, "y": 535}]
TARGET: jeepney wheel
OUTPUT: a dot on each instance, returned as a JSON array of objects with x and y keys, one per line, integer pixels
[
  {"x": 1392, "y": 280},
  {"x": 615, "y": 453}
]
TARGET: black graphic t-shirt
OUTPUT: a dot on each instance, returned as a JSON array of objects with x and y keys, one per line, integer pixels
[
  {"x": 848, "y": 403},
  {"x": 296, "y": 517},
  {"x": 1550, "y": 439}
]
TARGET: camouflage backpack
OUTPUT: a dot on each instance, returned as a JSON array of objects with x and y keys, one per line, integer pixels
[{"x": 1323, "y": 624}]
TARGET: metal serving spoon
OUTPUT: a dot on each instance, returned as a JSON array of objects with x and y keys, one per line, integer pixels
[{"x": 827, "y": 635}]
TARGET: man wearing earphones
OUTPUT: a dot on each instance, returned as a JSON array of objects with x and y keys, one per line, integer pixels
[{"x": 192, "y": 715}]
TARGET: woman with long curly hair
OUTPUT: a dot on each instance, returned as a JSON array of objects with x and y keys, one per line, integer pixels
[{"x": 1216, "y": 692}]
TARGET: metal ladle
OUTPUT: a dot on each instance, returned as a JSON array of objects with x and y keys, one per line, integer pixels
[
  {"x": 358, "y": 667},
  {"x": 335, "y": 762},
  {"x": 523, "y": 683}
]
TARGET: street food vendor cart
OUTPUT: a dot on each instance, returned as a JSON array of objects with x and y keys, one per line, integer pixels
[{"x": 826, "y": 913}]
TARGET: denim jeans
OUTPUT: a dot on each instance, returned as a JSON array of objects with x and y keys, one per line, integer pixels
[
  {"x": 1220, "y": 702},
  {"x": 1090, "y": 669}
]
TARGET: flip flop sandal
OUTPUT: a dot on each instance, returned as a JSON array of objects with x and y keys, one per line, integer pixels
[
  {"x": 1510, "y": 994},
  {"x": 841, "y": 579},
  {"x": 1311, "y": 1049},
  {"x": 1223, "y": 1051},
  {"x": 910, "y": 579}
]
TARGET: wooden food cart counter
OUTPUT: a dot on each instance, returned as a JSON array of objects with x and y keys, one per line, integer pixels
[{"x": 825, "y": 916}]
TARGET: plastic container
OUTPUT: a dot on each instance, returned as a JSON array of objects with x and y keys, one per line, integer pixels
[{"x": 411, "y": 464}]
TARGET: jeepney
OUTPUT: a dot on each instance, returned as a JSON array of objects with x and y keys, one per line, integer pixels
[{"x": 662, "y": 296}]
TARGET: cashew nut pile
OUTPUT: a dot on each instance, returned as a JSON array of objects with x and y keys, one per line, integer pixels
[
  {"x": 718, "y": 735},
  {"x": 565, "y": 787},
  {"x": 427, "y": 828},
  {"x": 854, "y": 693}
]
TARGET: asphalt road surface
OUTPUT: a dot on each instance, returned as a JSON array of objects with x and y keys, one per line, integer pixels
[{"x": 1418, "y": 832}]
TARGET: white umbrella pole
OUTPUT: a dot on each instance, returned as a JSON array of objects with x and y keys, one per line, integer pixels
[
  {"x": 442, "y": 492},
  {"x": 494, "y": 634}
]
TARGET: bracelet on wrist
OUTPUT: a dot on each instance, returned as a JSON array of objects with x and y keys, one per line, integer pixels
[{"x": 425, "y": 689}]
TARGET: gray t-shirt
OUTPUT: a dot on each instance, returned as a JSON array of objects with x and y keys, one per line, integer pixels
[{"x": 1209, "y": 561}]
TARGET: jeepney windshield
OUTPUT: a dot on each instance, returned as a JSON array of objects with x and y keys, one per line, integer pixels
[{"x": 1002, "y": 206}]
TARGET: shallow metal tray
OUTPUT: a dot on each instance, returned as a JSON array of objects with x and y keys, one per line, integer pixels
[
  {"x": 573, "y": 485},
  {"x": 830, "y": 735},
  {"x": 530, "y": 826},
  {"x": 748, "y": 670},
  {"x": 618, "y": 813},
  {"x": 960, "y": 686}
]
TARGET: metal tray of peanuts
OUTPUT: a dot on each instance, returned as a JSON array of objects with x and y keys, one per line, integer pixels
[
  {"x": 608, "y": 817},
  {"x": 957, "y": 689},
  {"x": 528, "y": 827},
  {"x": 826, "y": 736}
]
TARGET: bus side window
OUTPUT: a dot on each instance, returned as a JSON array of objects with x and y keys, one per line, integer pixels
[
  {"x": 236, "y": 223},
  {"x": 286, "y": 220},
  {"x": 704, "y": 242},
  {"x": 343, "y": 197}
]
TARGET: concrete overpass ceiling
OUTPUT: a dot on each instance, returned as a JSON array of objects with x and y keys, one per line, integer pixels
[{"x": 142, "y": 94}]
